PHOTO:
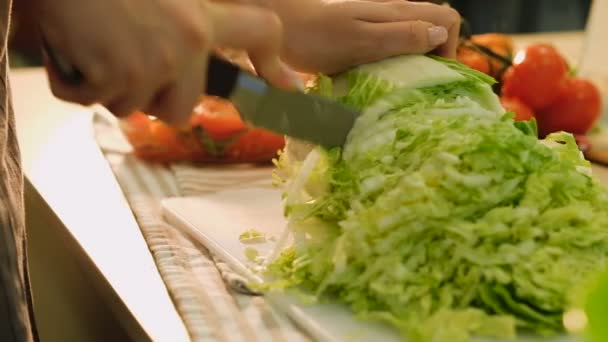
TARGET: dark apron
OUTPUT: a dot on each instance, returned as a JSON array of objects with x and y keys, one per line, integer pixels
[{"x": 16, "y": 316}]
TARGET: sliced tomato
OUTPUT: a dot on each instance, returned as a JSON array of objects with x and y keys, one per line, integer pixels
[
  {"x": 535, "y": 76},
  {"x": 215, "y": 134},
  {"x": 218, "y": 117},
  {"x": 522, "y": 111},
  {"x": 153, "y": 140},
  {"x": 226, "y": 138},
  {"x": 575, "y": 110},
  {"x": 255, "y": 146}
]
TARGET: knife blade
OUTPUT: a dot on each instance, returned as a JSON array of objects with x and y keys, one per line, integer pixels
[
  {"x": 304, "y": 116},
  {"x": 307, "y": 117}
]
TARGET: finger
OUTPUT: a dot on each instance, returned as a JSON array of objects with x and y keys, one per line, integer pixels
[
  {"x": 378, "y": 11},
  {"x": 233, "y": 27},
  {"x": 449, "y": 49},
  {"x": 259, "y": 3},
  {"x": 86, "y": 93},
  {"x": 130, "y": 94},
  {"x": 94, "y": 86},
  {"x": 139, "y": 86},
  {"x": 399, "y": 38},
  {"x": 126, "y": 104},
  {"x": 399, "y": 11},
  {"x": 175, "y": 102}
]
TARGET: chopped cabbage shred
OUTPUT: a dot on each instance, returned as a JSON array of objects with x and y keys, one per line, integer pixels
[{"x": 441, "y": 216}]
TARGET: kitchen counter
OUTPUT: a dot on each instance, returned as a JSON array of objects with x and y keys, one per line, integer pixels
[
  {"x": 63, "y": 163},
  {"x": 65, "y": 166}
]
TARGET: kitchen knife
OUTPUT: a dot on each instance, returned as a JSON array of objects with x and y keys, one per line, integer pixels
[
  {"x": 308, "y": 117},
  {"x": 304, "y": 116}
]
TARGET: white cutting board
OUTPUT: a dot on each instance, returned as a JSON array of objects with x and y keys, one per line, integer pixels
[{"x": 216, "y": 220}]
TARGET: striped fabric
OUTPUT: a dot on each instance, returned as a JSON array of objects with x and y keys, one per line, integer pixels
[
  {"x": 194, "y": 181},
  {"x": 211, "y": 299}
]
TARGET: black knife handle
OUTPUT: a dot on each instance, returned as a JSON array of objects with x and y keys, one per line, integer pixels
[{"x": 221, "y": 77}]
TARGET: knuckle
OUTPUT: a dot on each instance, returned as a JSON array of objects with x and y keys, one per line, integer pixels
[
  {"x": 400, "y": 6},
  {"x": 413, "y": 35},
  {"x": 272, "y": 22},
  {"x": 196, "y": 35},
  {"x": 190, "y": 24},
  {"x": 271, "y": 18},
  {"x": 452, "y": 16}
]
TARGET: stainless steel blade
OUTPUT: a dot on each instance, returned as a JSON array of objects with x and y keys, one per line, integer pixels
[{"x": 304, "y": 116}]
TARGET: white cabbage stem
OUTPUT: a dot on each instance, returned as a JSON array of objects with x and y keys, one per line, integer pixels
[{"x": 294, "y": 191}]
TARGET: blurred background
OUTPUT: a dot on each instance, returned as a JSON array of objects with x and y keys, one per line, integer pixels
[
  {"x": 523, "y": 16},
  {"x": 506, "y": 16}
]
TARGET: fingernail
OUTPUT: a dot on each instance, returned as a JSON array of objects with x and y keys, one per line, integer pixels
[{"x": 438, "y": 35}]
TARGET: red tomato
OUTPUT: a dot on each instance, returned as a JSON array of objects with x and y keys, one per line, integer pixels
[
  {"x": 255, "y": 146},
  {"x": 219, "y": 118},
  {"x": 215, "y": 134},
  {"x": 575, "y": 110},
  {"x": 155, "y": 141},
  {"x": 227, "y": 139},
  {"x": 535, "y": 76},
  {"x": 515, "y": 105}
]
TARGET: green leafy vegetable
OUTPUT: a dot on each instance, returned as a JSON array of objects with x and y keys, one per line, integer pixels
[
  {"x": 440, "y": 208},
  {"x": 252, "y": 236},
  {"x": 251, "y": 254}
]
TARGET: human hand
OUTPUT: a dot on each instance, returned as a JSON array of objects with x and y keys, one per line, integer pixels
[
  {"x": 151, "y": 55},
  {"x": 330, "y": 36}
]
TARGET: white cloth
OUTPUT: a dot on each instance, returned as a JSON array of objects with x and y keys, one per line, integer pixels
[{"x": 212, "y": 300}]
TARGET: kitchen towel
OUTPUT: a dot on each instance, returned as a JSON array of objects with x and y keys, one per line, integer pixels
[{"x": 212, "y": 300}]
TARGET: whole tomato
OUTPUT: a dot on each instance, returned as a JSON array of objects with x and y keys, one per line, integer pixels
[
  {"x": 522, "y": 111},
  {"x": 535, "y": 76},
  {"x": 575, "y": 109}
]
